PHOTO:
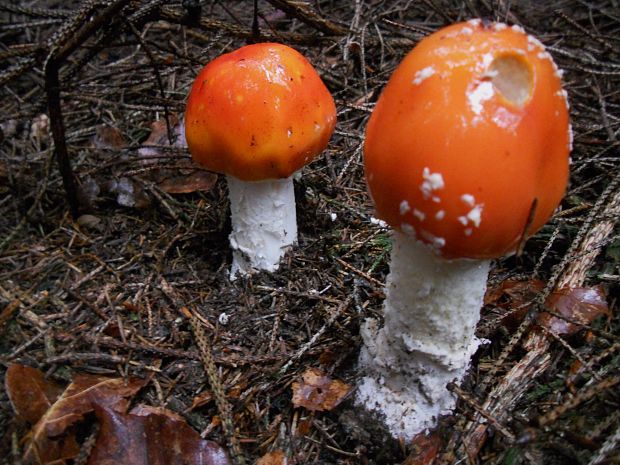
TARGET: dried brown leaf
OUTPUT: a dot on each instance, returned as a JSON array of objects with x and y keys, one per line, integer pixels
[
  {"x": 581, "y": 304},
  {"x": 514, "y": 296},
  {"x": 318, "y": 391},
  {"x": 303, "y": 427},
  {"x": 8, "y": 311},
  {"x": 277, "y": 457},
  {"x": 129, "y": 193},
  {"x": 151, "y": 436},
  {"x": 512, "y": 292},
  {"x": 89, "y": 222},
  {"x": 108, "y": 137},
  {"x": 198, "y": 181},
  {"x": 30, "y": 394},
  {"x": 424, "y": 449},
  {"x": 202, "y": 399},
  {"x": 46, "y": 442},
  {"x": 40, "y": 127},
  {"x": 327, "y": 357},
  {"x": 159, "y": 136},
  {"x": 159, "y": 131}
]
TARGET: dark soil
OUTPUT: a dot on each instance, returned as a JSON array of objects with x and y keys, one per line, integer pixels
[{"x": 103, "y": 292}]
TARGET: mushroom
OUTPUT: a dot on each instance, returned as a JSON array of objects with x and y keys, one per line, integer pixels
[
  {"x": 259, "y": 114},
  {"x": 466, "y": 156}
]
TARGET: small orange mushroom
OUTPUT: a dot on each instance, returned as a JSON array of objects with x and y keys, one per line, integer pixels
[
  {"x": 259, "y": 114},
  {"x": 466, "y": 155}
]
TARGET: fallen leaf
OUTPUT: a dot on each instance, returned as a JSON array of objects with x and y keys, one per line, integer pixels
[
  {"x": 235, "y": 391},
  {"x": 582, "y": 305},
  {"x": 159, "y": 136},
  {"x": 318, "y": 391},
  {"x": 270, "y": 18},
  {"x": 30, "y": 394},
  {"x": 151, "y": 436},
  {"x": 202, "y": 399},
  {"x": 40, "y": 127},
  {"x": 198, "y": 181},
  {"x": 89, "y": 222},
  {"x": 8, "y": 311},
  {"x": 108, "y": 137},
  {"x": 277, "y": 457},
  {"x": 327, "y": 357},
  {"x": 129, "y": 193},
  {"x": 46, "y": 442},
  {"x": 303, "y": 427},
  {"x": 513, "y": 292},
  {"x": 424, "y": 449},
  {"x": 88, "y": 191},
  {"x": 514, "y": 296}
]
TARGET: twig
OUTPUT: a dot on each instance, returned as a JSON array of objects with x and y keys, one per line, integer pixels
[
  {"x": 568, "y": 348},
  {"x": 60, "y": 51},
  {"x": 577, "y": 399},
  {"x": 608, "y": 446},
  {"x": 568, "y": 273},
  {"x": 160, "y": 83},
  {"x": 87, "y": 446},
  {"x": 176, "y": 17},
  {"x": 206, "y": 356},
  {"x": 360, "y": 273},
  {"x": 16, "y": 70},
  {"x": 217, "y": 387},
  {"x": 85, "y": 357},
  {"x": 301, "y": 11},
  {"x": 52, "y": 88},
  {"x": 37, "y": 12},
  {"x": 481, "y": 411},
  {"x": 316, "y": 336}
]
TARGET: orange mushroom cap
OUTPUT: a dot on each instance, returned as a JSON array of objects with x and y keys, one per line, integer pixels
[
  {"x": 260, "y": 112},
  {"x": 468, "y": 146}
]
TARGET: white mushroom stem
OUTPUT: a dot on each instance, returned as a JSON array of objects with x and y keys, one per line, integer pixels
[
  {"x": 264, "y": 223},
  {"x": 430, "y": 314}
]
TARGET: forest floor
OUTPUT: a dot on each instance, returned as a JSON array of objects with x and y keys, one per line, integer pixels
[{"x": 135, "y": 287}]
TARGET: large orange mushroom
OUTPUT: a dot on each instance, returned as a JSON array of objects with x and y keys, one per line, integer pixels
[
  {"x": 259, "y": 114},
  {"x": 466, "y": 156}
]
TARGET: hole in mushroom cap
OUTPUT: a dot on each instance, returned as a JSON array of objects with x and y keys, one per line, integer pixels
[{"x": 512, "y": 77}]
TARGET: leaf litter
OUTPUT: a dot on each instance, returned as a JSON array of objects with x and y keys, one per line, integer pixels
[
  {"x": 63, "y": 285},
  {"x": 143, "y": 435}
]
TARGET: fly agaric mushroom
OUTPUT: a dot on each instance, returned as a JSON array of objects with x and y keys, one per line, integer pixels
[
  {"x": 259, "y": 114},
  {"x": 466, "y": 156}
]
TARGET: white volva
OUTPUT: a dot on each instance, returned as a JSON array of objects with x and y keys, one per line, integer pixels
[
  {"x": 264, "y": 223},
  {"x": 431, "y": 309}
]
